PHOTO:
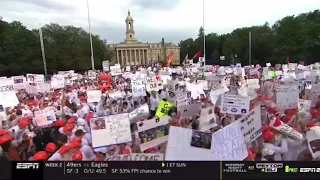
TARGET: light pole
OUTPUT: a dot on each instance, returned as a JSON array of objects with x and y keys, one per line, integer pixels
[
  {"x": 204, "y": 34},
  {"x": 91, "y": 47},
  {"x": 42, "y": 52}
]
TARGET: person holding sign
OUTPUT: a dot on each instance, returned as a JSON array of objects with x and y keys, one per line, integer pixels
[{"x": 154, "y": 101}]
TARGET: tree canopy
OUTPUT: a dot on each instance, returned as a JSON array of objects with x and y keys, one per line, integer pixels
[
  {"x": 297, "y": 37},
  {"x": 66, "y": 48}
]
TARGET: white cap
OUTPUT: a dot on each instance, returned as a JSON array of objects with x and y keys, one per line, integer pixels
[
  {"x": 81, "y": 122},
  {"x": 102, "y": 150},
  {"x": 267, "y": 151}
]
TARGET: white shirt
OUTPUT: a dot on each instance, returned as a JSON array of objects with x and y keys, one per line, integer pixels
[
  {"x": 278, "y": 151},
  {"x": 154, "y": 103},
  {"x": 87, "y": 152},
  {"x": 293, "y": 149}
]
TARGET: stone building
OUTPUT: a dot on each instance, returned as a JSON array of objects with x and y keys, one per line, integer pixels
[{"x": 132, "y": 52}]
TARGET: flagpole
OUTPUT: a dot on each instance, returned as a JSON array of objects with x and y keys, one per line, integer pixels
[
  {"x": 204, "y": 35},
  {"x": 91, "y": 47},
  {"x": 42, "y": 51}
]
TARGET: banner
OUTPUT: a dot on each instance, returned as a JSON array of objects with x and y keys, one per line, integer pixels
[{"x": 137, "y": 157}]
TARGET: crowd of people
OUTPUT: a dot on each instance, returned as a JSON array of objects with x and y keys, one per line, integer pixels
[{"x": 286, "y": 97}]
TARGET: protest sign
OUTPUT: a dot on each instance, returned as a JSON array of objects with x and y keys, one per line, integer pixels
[
  {"x": 251, "y": 125},
  {"x": 139, "y": 113},
  {"x": 153, "y": 132},
  {"x": 19, "y": 82},
  {"x": 183, "y": 99},
  {"x": 6, "y": 85},
  {"x": 115, "y": 70},
  {"x": 253, "y": 83},
  {"x": 207, "y": 119},
  {"x": 287, "y": 96},
  {"x": 138, "y": 88},
  {"x": 8, "y": 99},
  {"x": 108, "y": 130},
  {"x": 115, "y": 95},
  {"x": 154, "y": 85},
  {"x": 163, "y": 108},
  {"x": 235, "y": 104},
  {"x": 313, "y": 138},
  {"x": 44, "y": 117},
  {"x": 304, "y": 105},
  {"x": 94, "y": 95},
  {"x": 190, "y": 110},
  {"x": 227, "y": 144},
  {"x": 137, "y": 157},
  {"x": 35, "y": 78},
  {"x": 106, "y": 65},
  {"x": 285, "y": 129},
  {"x": 57, "y": 81}
]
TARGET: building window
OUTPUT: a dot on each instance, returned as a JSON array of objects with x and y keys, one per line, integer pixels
[{"x": 130, "y": 36}]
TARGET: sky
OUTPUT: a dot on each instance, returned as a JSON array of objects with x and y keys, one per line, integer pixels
[{"x": 173, "y": 20}]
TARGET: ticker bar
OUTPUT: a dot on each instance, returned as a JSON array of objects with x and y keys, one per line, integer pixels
[
  {"x": 211, "y": 170},
  {"x": 130, "y": 170}
]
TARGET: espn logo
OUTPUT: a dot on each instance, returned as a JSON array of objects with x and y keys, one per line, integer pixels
[{"x": 27, "y": 166}]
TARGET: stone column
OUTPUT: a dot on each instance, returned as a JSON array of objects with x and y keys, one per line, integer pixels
[
  {"x": 143, "y": 57},
  {"x": 139, "y": 58},
  {"x": 117, "y": 56},
  {"x": 135, "y": 56},
  {"x": 126, "y": 61},
  {"x": 130, "y": 56}
]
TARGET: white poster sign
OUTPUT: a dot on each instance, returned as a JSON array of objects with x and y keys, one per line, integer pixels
[
  {"x": 138, "y": 87},
  {"x": 189, "y": 145},
  {"x": 35, "y": 78},
  {"x": 235, "y": 104},
  {"x": 6, "y": 85},
  {"x": 115, "y": 70},
  {"x": 57, "y": 81},
  {"x": 8, "y": 99},
  {"x": 109, "y": 130},
  {"x": 287, "y": 96},
  {"x": 137, "y": 157},
  {"x": 94, "y": 96},
  {"x": 106, "y": 65},
  {"x": 19, "y": 82},
  {"x": 251, "y": 125}
]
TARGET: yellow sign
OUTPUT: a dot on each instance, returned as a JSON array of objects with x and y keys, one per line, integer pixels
[
  {"x": 163, "y": 164},
  {"x": 163, "y": 108}
]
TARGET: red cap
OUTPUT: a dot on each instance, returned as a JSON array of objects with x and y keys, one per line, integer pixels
[
  {"x": 268, "y": 136},
  {"x": 74, "y": 144},
  {"x": 60, "y": 123},
  {"x": 277, "y": 122},
  {"x": 51, "y": 147},
  {"x": 23, "y": 123},
  {"x": 68, "y": 128},
  {"x": 291, "y": 112},
  {"x": 77, "y": 156},
  {"x": 64, "y": 149},
  {"x": 286, "y": 118},
  {"x": 96, "y": 159},
  {"x": 125, "y": 151},
  {"x": 3, "y": 132},
  {"x": 314, "y": 112},
  {"x": 40, "y": 156},
  {"x": 78, "y": 139},
  {"x": 5, "y": 138},
  {"x": 266, "y": 127},
  {"x": 310, "y": 125},
  {"x": 71, "y": 120}
]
